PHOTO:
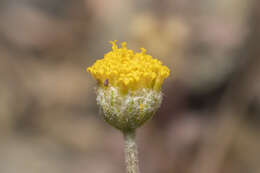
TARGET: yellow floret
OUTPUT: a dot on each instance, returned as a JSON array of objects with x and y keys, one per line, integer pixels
[{"x": 127, "y": 70}]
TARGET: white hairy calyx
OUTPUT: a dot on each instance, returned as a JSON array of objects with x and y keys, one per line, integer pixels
[{"x": 129, "y": 110}]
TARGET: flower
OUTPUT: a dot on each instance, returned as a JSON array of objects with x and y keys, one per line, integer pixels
[
  {"x": 129, "y": 86},
  {"x": 124, "y": 69}
]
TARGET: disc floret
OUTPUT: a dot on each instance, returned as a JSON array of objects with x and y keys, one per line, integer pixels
[{"x": 126, "y": 70}]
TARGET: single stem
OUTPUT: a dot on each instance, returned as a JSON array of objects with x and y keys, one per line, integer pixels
[{"x": 131, "y": 157}]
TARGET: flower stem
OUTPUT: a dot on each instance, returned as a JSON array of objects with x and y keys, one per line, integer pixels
[{"x": 131, "y": 157}]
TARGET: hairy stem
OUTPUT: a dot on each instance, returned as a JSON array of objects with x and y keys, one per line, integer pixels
[{"x": 131, "y": 157}]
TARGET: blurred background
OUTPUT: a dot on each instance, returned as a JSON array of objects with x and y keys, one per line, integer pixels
[{"x": 209, "y": 119}]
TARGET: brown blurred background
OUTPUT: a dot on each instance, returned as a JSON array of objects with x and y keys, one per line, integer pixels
[{"x": 209, "y": 119}]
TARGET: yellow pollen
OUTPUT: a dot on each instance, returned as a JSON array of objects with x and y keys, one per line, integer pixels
[{"x": 128, "y": 70}]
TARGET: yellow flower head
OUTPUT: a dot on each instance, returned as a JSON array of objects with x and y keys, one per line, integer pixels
[{"x": 126, "y": 70}]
